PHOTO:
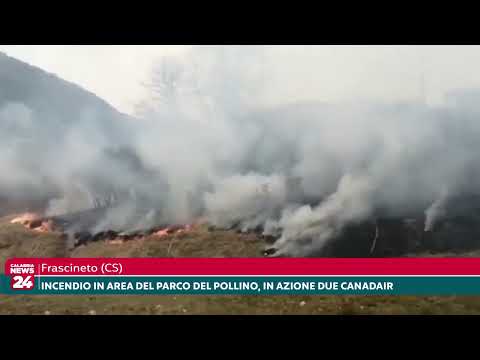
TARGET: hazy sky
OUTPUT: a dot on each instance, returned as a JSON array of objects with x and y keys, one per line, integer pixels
[{"x": 326, "y": 73}]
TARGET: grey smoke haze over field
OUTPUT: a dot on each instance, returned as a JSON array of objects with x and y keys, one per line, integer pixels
[{"x": 216, "y": 140}]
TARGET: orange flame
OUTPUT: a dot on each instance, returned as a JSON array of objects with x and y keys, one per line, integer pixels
[
  {"x": 171, "y": 230},
  {"x": 25, "y": 219}
]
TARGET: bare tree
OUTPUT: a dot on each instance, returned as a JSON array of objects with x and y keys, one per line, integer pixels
[{"x": 165, "y": 81}]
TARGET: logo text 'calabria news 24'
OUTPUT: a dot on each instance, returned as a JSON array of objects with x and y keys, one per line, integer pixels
[{"x": 22, "y": 276}]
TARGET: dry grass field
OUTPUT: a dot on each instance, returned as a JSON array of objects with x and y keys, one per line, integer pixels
[{"x": 16, "y": 241}]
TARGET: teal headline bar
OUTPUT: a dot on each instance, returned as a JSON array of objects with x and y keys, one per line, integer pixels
[{"x": 238, "y": 285}]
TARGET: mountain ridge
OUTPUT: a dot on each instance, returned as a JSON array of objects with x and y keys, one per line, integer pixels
[{"x": 11, "y": 62}]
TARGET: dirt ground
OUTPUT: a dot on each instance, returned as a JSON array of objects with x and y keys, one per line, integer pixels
[{"x": 15, "y": 241}]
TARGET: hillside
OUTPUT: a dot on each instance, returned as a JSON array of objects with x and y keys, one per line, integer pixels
[
  {"x": 45, "y": 122},
  {"x": 46, "y": 93},
  {"x": 38, "y": 106}
]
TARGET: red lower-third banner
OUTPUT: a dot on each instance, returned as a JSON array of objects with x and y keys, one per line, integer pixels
[{"x": 242, "y": 266}]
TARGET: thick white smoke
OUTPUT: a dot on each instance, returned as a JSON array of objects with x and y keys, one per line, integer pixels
[
  {"x": 210, "y": 143},
  {"x": 436, "y": 210}
]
